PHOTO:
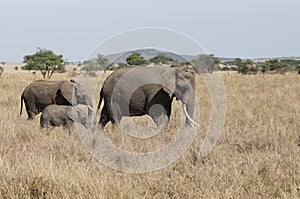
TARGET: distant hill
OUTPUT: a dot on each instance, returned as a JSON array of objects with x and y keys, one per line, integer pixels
[{"x": 147, "y": 54}]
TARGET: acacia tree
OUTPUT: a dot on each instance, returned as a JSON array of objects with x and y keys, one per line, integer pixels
[
  {"x": 45, "y": 61},
  {"x": 135, "y": 59},
  {"x": 206, "y": 63},
  {"x": 244, "y": 66},
  {"x": 102, "y": 61},
  {"x": 161, "y": 58},
  {"x": 92, "y": 66}
]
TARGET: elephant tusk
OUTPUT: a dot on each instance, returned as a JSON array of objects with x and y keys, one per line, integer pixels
[
  {"x": 189, "y": 117},
  {"x": 89, "y": 107}
]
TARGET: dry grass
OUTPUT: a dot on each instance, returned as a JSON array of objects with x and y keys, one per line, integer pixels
[{"x": 256, "y": 156}]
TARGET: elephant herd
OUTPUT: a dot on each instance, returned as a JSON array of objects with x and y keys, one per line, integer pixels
[{"x": 129, "y": 91}]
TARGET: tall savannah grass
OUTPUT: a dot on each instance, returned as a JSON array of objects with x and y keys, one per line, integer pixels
[{"x": 258, "y": 154}]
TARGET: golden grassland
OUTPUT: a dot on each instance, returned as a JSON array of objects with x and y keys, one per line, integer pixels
[{"x": 258, "y": 154}]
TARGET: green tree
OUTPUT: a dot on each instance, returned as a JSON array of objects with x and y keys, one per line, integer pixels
[
  {"x": 273, "y": 64},
  {"x": 182, "y": 65},
  {"x": 237, "y": 62},
  {"x": 291, "y": 62},
  {"x": 90, "y": 67},
  {"x": 244, "y": 66},
  {"x": 102, "y": 61},
  {"x": 45, "y": 61},
  {"x": 135, "y": 59},
  {"x": 161, "y": 59},
  {"x": 215, "y": 59},
  {"x": 206, "y": 62}
]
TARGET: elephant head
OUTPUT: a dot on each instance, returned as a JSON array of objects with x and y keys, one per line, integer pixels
[
  {"x": 81, "y": 117},
  {"x": 76, "y": 94},
  {"x": 181, "y": 84}
]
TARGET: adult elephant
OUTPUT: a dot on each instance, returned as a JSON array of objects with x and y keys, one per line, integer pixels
[
  {"x": 41, "y": 93},
  {"x": 136, "y": 91}
]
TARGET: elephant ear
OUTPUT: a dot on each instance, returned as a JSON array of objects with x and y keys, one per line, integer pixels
[
  {"x": 68, "y": 92},
  {"x": 169, "y": 81}
]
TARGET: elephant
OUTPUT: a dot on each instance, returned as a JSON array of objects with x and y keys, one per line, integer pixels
[
  {"x": 136, "y": 91},
  {"x": 60, "y": 115},
  {"x": 41, "y": 93}
]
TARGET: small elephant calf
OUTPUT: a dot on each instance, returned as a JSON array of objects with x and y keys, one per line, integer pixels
[{"x": 58, "y": 115}]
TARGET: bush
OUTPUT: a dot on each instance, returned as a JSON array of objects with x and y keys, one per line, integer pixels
[
  {"x": 243, "y": 70},
  {"x": 136, "y": 59},
  {"x": 161, "y": 59},
  {"x": 273, "y": 65}
]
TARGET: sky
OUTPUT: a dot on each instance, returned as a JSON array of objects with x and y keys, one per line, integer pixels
[{"x": 73, "y": 28}]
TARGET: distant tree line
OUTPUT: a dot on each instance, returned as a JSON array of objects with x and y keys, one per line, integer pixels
[
  {"x": 269, "y": 66},
  {"x": 47, "y": 62},
  {"x": 101, "y": 63},
  {"x": 204, "y": 62}
]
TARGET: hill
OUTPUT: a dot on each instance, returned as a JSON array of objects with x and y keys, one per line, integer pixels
[{"x": 147, "y": 54}]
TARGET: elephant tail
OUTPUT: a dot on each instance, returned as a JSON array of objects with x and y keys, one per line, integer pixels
[
  {"x": 94, "y": 122},
  {"x": 100, "y": 100},
  {"x": 22, "y": 99}
]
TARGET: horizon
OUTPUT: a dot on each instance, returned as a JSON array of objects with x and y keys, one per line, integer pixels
[
  {"x": 221, "y": 58},
  {"x": 132, "y": 50}
]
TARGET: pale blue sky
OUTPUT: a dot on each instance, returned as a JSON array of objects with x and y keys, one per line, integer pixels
[{"x": 228, "y": 28}]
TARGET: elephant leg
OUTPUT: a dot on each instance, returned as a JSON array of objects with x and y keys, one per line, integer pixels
[
  {"x": 168, "y": 107},
  {"x": 53, "y": 123},
  {"x": 30, "y": 107},
  {"x": 70, "y": 126},
  {"x": 116, "y": 114},
  {"x": 157, "y": 112},
  {"x": 31, "y": 115},
  {"x": 104, "y": 118},
  {"x": 31, "y": 111},
  {"x": 42, "y": 123}
]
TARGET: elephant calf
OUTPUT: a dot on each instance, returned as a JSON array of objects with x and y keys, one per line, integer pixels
[{"x": 59, "y": 115}]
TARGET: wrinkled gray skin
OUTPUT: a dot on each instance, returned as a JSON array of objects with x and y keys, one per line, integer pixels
[
  {"x": 59, "y": 115},
  {"x": 39, "y": 94},
  {"x": 169, "y": 83}
]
